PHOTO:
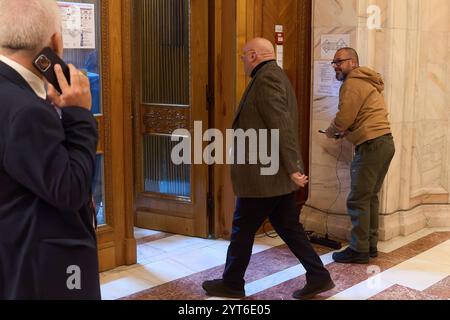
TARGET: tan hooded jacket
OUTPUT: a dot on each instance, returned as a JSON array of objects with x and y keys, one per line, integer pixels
[{"x": 362, "y": 111}]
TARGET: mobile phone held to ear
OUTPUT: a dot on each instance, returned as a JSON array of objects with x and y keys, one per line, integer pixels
[{"x": 45, "y": 63}]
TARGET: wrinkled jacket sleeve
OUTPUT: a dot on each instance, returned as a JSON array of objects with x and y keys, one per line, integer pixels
[
  {"x": 272, "y": 106},
  {"x": 57, "y": 165}
]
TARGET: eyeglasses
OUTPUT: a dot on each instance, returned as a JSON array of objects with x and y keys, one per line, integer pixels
[{"x": 338, "y": 63}]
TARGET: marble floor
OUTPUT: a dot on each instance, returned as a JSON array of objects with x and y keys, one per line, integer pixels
[{"x": 172, "y": 267}]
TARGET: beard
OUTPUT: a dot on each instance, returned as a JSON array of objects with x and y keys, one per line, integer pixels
[{"x": 340, "y": 76}]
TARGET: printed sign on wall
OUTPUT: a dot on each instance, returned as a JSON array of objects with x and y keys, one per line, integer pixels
[
  {"x": 78, "y": 23},
  {"x": 330, "y": 43},
  {"x": 325, "y": 83}
]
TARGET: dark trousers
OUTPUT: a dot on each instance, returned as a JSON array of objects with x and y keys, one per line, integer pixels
[
  {"x": 368, "y": 170},
  {"x": 283, "y": 214}
]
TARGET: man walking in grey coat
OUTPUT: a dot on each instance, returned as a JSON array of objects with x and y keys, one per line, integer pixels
[{"x": 269, "y": 103}]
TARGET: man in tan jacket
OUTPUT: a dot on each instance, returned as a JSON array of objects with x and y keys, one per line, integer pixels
[
  {"x": 363, "y": 120},
  {"x": 269, "y": 103}
]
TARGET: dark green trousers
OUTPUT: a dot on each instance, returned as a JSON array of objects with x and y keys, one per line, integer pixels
[{"x": 368, "y": 170}]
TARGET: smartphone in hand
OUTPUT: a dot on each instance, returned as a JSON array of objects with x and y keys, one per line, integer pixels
[
  {"x": 45, "y": 63},
  {"x": 336, "y": 135}
]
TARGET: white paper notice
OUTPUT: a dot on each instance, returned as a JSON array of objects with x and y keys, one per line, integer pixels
[
  {"x": 78, "y": 23},
  {"x": 325, "y": 83},
  {"x": 280, "y": 48},
  {"x": 330, "y": 43},
  {"x": 280, "y": 56}
]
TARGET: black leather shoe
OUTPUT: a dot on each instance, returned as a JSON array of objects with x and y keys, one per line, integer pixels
[
  {"x": 310, "y": 290},
  {"x": 373, "y": 252},
  {"x": 218, "y": 288},
  {"x": 351, "y": 256}
]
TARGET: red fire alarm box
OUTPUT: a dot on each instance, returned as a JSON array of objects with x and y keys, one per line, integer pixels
[{"x": 279, "y": 38}]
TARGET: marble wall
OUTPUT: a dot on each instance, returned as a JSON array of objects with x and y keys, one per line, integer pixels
[{"x": 412, "y": 52}]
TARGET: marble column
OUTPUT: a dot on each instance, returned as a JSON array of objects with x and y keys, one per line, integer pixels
[{"x": 411, "y": 49}]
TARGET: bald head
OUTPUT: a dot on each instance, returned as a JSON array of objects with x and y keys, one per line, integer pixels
[
  {"x": 256, "y": 51},
  {"x": 263, "y": 48}
]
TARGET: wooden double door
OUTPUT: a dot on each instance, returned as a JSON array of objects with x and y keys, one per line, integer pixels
[
  {"x": 183, "y": 64},
  {"x": 163, "y": 65}
]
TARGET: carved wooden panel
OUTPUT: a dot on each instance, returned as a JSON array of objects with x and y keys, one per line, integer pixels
[{"x": 164, "y": 120}]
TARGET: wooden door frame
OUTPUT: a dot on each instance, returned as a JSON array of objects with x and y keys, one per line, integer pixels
[
  {"x": 224, "y": 59},
  {"x": 116, "y": 243},
  {"x": 304, "y": 86},
  {"x": 127, "y": 73}
]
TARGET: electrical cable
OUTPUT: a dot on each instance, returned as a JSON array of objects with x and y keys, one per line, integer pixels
[
  {"x": 310, "y": 234},
  {"x": 339, "y": 186},
  {"x": 274, "y": 235}
]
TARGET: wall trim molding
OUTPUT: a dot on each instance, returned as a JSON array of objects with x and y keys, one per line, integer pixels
[{"x": 400, "y": 223}]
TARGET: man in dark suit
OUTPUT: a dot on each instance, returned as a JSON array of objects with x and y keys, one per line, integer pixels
[
  {"x": 269, "y": 103},
  {"x": 47, "y": 154}
]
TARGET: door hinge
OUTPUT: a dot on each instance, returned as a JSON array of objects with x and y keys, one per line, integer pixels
[
  {"x": 209, "y": 98},
  {"x": 210, "y": 202}
]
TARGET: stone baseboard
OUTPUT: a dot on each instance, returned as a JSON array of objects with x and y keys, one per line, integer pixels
[
  {"x": 335, "y": 225},
  {"x": 400, "y": 223}
]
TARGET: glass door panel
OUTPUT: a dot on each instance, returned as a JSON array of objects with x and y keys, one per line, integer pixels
[
  {"x": 172, "y": 78},
  {"x": 82, "y": 48}
]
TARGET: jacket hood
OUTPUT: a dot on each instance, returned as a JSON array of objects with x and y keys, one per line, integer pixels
[{"x": 369, "y": 76}]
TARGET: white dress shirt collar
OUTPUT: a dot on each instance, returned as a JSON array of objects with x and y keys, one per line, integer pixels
[{"x": 36, "y": 83}]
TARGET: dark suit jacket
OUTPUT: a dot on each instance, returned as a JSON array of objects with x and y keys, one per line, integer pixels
[
  {"x": 269, "y": 102},
  {"x": 46, "y": 169}
]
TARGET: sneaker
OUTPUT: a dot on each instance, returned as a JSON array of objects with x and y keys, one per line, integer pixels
[
  {"x": 217, "y": 288},
  {"x": 373, "y": 253},
  {"x": 351, "y": 256},
  {"x": 310, "y": 290}
]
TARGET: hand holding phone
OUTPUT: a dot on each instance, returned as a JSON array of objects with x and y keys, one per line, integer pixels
[
  {"x": 45, "y": 63},
  {"x": 77, "y": 94},
  {"x": 68, "y": 86}
]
